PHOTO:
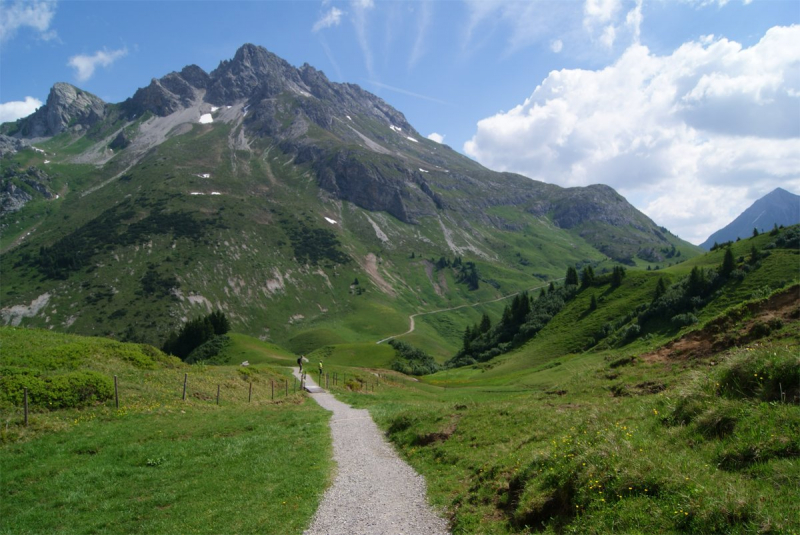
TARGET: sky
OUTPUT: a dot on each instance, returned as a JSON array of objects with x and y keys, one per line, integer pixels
[{"x": 688, "y": 108}]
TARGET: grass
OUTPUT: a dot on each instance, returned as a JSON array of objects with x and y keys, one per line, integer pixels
[
  {"x": 257, "y": 462},
  {"x": 170, "y": 471},
  {"x": 566, "y": 455}
]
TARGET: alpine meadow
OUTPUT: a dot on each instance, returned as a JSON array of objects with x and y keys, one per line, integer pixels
[{"x": 549, "y": 359}]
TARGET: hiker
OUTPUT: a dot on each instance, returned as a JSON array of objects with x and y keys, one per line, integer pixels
[
  {"x": 320, "y": 368},
  {"x": 300, "y": 363}
]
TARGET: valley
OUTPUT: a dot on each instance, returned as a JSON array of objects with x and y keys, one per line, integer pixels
[{"x": 549, "y": 359}]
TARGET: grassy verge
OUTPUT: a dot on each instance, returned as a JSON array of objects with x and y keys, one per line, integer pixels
[
  {"x": 256, "y": 462},
  {"x": 649, "y": 447}
]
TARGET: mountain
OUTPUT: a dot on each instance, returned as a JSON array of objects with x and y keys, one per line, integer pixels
[
  {"x": 311, "y": 212},
  {"x": 779, "y": 207}
]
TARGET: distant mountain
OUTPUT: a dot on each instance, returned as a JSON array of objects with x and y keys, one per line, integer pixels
[
  {"x": 778, "y": 207},
  {"x": 301, "y": 207}
]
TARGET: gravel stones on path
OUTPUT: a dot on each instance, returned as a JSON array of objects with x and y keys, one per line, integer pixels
[{"x": 374, "y": 491}]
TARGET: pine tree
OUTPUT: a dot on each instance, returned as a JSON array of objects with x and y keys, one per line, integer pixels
[
  {"x": 728, "y": 263},
  {"x": 587, "y": 277},
  {"x": 486, "y": 323},
  {"x": 617, "y": 275},
  {"x": 661, "y": 288},
  {"x": 219, "y": 322},
  {"x": 593, "y": 303},
  {"x": 697, "y": 282},
  {"x": 572, "y": 277},
  {"x": 754, "y": 256}
]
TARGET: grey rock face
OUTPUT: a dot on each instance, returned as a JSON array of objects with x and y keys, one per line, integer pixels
[
  {"x": 67, "y": 107},
  {"x": 10, "y": 145},
  {"x": 13, "y": 197}
]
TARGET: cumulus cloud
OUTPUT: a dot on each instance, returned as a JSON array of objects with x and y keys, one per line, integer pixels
[
  {"x": 691, "y": 138},
  {"x": 556, "y": 46},
  {"x": 331, "y": 18},
  {"x": 35, "y": 14},
  {"x": 438, "y": 138},
  {"x": 17, "y": 109},
  {"x": 85, "y": 65}
]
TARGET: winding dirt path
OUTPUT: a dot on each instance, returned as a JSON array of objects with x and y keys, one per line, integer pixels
[{"x": 411, "y": 323}]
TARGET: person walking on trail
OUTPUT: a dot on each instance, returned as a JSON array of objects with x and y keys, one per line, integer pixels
[
  {"x": 300, "y": 363},
  {"x": 320, "y": 368}
]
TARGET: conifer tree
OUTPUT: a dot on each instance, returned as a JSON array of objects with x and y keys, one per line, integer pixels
[
  {"x": 728, "y": 263},
  {"x": 661, "y": 288},
  {"x": 587, "y": 277},
  {"x": 572, "y": 277},
  {"x": 486, "y": 323}
]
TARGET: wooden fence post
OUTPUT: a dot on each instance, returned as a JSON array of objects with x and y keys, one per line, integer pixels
[
  {"x": 272, "y": 387},
  {"x": 25, "y": 394},
  {"x": 250, "y": 393},
  {"x": 185, "y": 378},
  {"x": 286, "y": 383},
  {"x": 116, "y": 392},
  {"x": 217, "y": 394}
]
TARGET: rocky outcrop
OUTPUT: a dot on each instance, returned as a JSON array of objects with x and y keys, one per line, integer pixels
[
  {"x": 13, "y": 194},
  {"x": 10, "y": 145},
  {"x": 67, "y": 108},
  {"x": 164, "y": 96}
]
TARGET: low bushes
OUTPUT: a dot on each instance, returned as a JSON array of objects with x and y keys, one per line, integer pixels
[{"x": 66, "y": 391}]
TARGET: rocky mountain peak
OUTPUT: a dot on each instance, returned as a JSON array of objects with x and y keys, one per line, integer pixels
[
  {"x": 67, "y": 107},
  {"x": 253, "y": 71}
]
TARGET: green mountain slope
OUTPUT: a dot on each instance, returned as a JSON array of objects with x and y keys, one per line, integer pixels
[{"x": 309, "y": 212}]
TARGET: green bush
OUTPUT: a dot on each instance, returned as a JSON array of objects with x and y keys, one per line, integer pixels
[
  {"x": 70, "y": 390},
  {"x": 683, "y": 320},
  {"x": 210, "y": 352}
]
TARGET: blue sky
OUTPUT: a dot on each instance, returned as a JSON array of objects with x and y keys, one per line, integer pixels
[{"x": 688, "y": 108}]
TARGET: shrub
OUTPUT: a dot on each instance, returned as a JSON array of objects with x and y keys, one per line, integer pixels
[
  {"x": 70, "y": 390},
  {"x": 682, "y": 320}
]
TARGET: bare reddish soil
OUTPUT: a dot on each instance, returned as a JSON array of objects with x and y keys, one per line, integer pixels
[{"x": 739, "y": 327}]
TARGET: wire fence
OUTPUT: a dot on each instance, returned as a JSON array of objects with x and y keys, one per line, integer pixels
[{"x": 269, "y": 391}]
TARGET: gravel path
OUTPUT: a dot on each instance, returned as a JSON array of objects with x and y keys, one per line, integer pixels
[{"x": 374, "y": 492}]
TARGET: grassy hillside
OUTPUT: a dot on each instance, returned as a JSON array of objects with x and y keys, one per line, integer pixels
[
  {"x": 156, "y": 463},
  {"x": 590, "y": 444},
  {"x": 683, "y": 428},
  {"x": 132, "y": 248}
]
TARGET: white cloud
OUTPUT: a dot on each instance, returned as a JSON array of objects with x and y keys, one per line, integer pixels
[
  {"x": 599, "y": 12},
  {"x": 633, "y": 20},
  {"x": 423, "y": 23},
  {"x": 691, "y": 138},
  {"x": 406, "y": 92},
  {"x": 359, "y": 11},
  {"x": 523, "y": 23},
  {"x": 17, "y": 109},
  {"x": 556, "y": 46},
  {"x": 438, "y": 138},
  {"x": 545, "y": 23},
  {"x": 85, "y": 65},
  {"x": 35, "y": 14},
  {"x": 718, "y": 3},
  {"x": 331, "y": 18},
  {"x": 608, "y": 36}
]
